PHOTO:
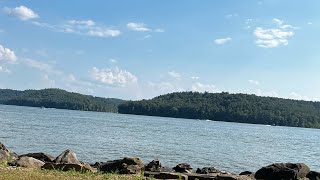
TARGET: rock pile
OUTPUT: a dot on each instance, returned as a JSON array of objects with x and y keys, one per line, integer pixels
[{"x": 68, "y": 160}]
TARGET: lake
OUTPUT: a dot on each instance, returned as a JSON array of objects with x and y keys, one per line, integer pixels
[{"x": 96, "y": 136}]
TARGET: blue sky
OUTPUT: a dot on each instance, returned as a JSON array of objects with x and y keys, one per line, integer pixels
[{"x": 141, "y": 49}]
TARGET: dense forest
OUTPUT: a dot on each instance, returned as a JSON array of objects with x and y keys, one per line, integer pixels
[
  {"x": 241, "y": 108},
  {"x": 60, "y": 99}
]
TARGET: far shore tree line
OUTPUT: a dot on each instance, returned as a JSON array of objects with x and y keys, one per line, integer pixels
[{"x": 242, "y": 108}]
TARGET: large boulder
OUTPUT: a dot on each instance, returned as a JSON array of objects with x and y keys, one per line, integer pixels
[
  {"x": 68, "y": 167},
  {"x": 183, "y": 168},
  {"x": 40, "y": 156},
  {"x": 27, "y": 162},
  {"x": 283, "y": 171},
  {"x": 154, "y": 166},
  {"x": 313, "y": 175},
  {"x": 207, "y": 170},
  {"x": 67, "y": 157},
  {"x": 123, "y": 166}
]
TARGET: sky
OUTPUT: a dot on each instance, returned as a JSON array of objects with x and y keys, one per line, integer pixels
[{"x": 144, "y": 48}]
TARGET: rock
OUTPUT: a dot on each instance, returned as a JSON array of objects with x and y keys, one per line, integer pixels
[
  {"x": 195, "y": 176},
  {"x": 248, "y": 173},
  {"x": 6, "y": 155},
  {"x": 283, "y": 171},
  {"x": 183, "y": 168},
  {"x": 165, "y": 175},
  {"x": 27, "y": 162},
  {"x": 313, "y": 175},
  {"x": 97, "y": 165},
  {"x": 68, "y": 167},
  {"x": 154, "y": 166},
  {"x": 67, "y": 157},
  {"x": 40, "y": 156},
  {"x": 207, "y": 170},
  {"x": 130, "y": 169},
  {"x": 123, "y": 166}
]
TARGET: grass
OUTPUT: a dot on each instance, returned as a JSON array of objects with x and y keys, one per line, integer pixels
[{"x": 9, "y": 173}]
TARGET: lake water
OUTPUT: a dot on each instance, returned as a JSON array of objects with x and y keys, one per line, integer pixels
[{"x": 98, "y": 136}]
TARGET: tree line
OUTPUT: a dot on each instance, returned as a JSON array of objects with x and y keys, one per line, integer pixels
[
  {"x": 242, "y": 108},
  {"x": 58, "y": 98}
]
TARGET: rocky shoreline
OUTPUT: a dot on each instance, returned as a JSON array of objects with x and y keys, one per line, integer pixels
[{"x": 68, "y": 160}]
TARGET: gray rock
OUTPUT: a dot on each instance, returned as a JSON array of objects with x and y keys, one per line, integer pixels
[
  {"x": 154, "y": 166},
  {"x": 248, "y": 173},
  {"x": 207, "y": 170},
  {"x": 196, "y": 176},
  {"x": 67, "y": 157},
  {"x": 183, "y": 168},
  {"x": 68, "y": 167},
  {"x": 123, "y": 166},
  {"x": 40, "y": 156},
  {"x": 283, "y": 171},
  {"x": 313, "y": 175},
  {"x": 130, "y": 169},
  {"x": 97, "y": 164},
  {"x": 27, "y": 162},
  {"x": 6, "y": 155}
]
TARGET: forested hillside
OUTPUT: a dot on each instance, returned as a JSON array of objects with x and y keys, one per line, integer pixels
[
  {"x": 57, "y": 98},
  {"x": 241, "y": 108}
]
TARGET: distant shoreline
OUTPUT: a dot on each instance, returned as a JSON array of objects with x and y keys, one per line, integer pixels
[{"x": 225, "y": 107}]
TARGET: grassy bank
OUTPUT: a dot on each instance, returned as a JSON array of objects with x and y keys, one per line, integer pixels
[{"x": 10, "y": 173}]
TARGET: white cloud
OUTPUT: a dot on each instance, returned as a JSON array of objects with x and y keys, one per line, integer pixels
[
  {"x": 7, "y": 54},
  {"x": 81, "y": 27},
  {"x": 222, "y": 41},
  {"x": 278, "y": 21},
  {"x": 159, "y": 30},
  {"x": 113, "y": 60},
  {"x": 88, "y": 27},
  {"x": 309, "y": 23},
  {"x": 5, "y": 70},
  {"x": 101, "y": 32},
  {"x": 138, "y": 27},
  {"x": 42, "y": 24},
  {"x": 199, "y": 87},
  {"x": 21, "y": 12},
  {"x": 82, "y": 22},
  {"x": 273, "y": 37},
  {"x": 231, "y": 15},
  {"x": 141, "y": 27},
  {"x": 115, "y": 76},
  {"x": 255, "y": 82},
  {"x": 195, "y": 77},
  {"x": 42, "y": 66},
  {"x": 147, "y": 36},
  {"x": 174, "y": 74}
]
